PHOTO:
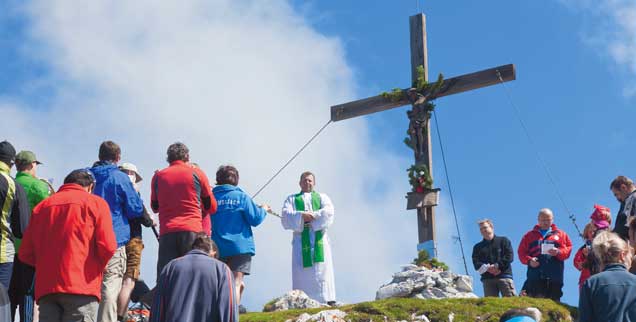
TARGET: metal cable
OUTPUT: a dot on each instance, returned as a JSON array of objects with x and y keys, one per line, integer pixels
[
  {"x": 542, "y": 162},
  {"x": 290, "y": 160},
  {"x": 450, "y": 191}
]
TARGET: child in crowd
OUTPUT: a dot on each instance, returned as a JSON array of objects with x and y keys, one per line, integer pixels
[{"x": 581, "y": 255}]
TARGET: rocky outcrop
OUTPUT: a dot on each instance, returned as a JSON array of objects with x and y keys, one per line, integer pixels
[
  {"x": 295, "y": 299},
  {"x": 322, "y": 316},
  {"x": 423, "y": 283}
]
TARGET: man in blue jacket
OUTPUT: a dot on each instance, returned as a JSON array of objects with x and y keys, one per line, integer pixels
[
  {"x": 232, "y": 224},
  {"x": 125, "y": 204}
]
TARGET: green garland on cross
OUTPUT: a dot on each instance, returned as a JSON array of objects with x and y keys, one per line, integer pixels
[
  {"x": 421, "y": 85},
  {"x": 420, "y": 178},
  {"x": 419, "y": 175}
]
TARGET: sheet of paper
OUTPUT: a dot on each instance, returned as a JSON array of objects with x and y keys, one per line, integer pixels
[
  {"x": 545, "y": 248},
  {"x": 483, "y": 268}
]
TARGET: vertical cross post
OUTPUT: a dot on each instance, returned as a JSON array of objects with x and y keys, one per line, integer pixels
[{"x": 418, "y": 115}]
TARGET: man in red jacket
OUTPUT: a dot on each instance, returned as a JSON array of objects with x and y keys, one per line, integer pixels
[
  {"x": 544, "y": 249},
  {"x": 181, "y": 194},
  {"x": 69, "y": 241}
]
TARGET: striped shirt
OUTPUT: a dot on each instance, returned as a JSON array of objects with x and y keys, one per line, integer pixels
[{"x": 13, "y": 206}]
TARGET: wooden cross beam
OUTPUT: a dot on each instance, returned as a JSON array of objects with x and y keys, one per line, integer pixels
[
  {"x": 419, "y": 116},
  {"x": 451, "y": 86}
]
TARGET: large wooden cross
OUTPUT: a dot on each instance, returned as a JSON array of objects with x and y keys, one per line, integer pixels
[{"x": 420, "y": 119}]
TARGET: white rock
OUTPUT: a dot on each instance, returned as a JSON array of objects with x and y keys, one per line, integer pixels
[
  {"x": 464, "y": 283},
  {"x": 403, "y": 289},
  {"x": 419, "y": 318},
  {"x": 403, "y": 276},
  {"x": 420, "y": 282},
  {"x": 433, "y": 293},
  {"x": 443, "y": 282},
  {"x": 466, "y": 295},
  {"x": 295, "y": 299},
  {"x": 409, "y": 267},
  {"x": 323, "y": 316},
  {"x": 450, "y": 290}
]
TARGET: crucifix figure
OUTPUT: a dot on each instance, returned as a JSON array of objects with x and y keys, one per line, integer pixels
[{"x": 419, "y": 116}]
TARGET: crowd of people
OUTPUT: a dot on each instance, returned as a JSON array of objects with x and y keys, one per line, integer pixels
[
  {"x": 607, "y": 274},
  {"x": 74, "y": 254}
]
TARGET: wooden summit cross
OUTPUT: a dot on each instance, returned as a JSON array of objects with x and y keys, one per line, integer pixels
[{"x": 419, "y": 117}]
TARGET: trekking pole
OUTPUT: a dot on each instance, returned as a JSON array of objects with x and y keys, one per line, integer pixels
[{"x": 154, "y": 230}]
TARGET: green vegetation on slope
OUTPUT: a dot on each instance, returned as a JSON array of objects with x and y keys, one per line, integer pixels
[{"x": 483, "y": 310}]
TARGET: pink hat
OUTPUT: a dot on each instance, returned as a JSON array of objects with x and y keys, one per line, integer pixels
[{"x": 600, "y": 216}]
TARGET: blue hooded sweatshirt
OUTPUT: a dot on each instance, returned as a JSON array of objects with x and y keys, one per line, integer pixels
[
  {"x": 115, "y": 187},
  {"x": 232, "y": 224}
]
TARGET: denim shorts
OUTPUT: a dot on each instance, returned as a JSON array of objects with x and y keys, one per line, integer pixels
[{"x": 239, "y": 263}]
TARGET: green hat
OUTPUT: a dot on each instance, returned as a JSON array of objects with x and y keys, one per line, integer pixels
[{"x": 26, "y": 157}]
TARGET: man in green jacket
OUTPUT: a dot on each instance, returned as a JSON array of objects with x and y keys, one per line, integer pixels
[
  {"x": 36, "y": 189},
  {"x": 21, "y": 287}
]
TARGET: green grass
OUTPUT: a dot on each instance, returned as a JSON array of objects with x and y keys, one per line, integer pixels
[{"x": 484, "y": 309}]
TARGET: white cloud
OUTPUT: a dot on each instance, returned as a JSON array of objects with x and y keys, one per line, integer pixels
[
  {"x": 611, "y": 29},
  {"x": 241, "y": 82}
]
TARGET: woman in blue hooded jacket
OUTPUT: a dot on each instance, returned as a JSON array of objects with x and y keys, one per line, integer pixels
[{"x": 232, "y": 224}]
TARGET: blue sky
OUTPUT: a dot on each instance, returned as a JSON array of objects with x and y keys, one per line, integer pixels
[{"x": 71, "y": 77}]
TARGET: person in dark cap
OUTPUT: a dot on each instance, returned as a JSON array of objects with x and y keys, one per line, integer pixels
[
  {"x": 21, "y": 287},
  {"x": 13, "y": 206}
]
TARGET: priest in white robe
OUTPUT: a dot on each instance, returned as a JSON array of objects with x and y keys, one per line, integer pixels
[{"x": 309, "y": 214}]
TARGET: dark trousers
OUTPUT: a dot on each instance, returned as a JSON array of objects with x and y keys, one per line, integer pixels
[
  {"x": 545, "y": 288},
  {"x": 173, "y": 245},
  {"x": 6, "y": 269},
  {"x": 21, "y": 290}
]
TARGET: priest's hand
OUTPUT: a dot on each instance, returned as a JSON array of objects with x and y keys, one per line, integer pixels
[
  {"x": 266, "y": 207},
  {"x": 308, "y": 216}
]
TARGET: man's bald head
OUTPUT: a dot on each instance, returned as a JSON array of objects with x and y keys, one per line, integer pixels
[{"x": 546, "y": 217}]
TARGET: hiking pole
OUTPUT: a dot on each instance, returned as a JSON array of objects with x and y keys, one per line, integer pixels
[{"x": 154, "y": 230}]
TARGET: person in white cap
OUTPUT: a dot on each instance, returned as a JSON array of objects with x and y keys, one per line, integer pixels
[{"x": 134, "y": 246}]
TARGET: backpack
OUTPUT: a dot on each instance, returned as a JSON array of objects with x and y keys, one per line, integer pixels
[{"x": 138, "y": 312}]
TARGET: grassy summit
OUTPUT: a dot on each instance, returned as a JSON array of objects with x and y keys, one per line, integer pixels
[{"x": 483, "y": 309}]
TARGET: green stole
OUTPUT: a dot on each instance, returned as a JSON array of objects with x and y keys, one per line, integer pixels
[{"x": 319, "y": 253}]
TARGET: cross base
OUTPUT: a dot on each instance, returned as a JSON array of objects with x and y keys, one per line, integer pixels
[{"x": 429, "y": 246}]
